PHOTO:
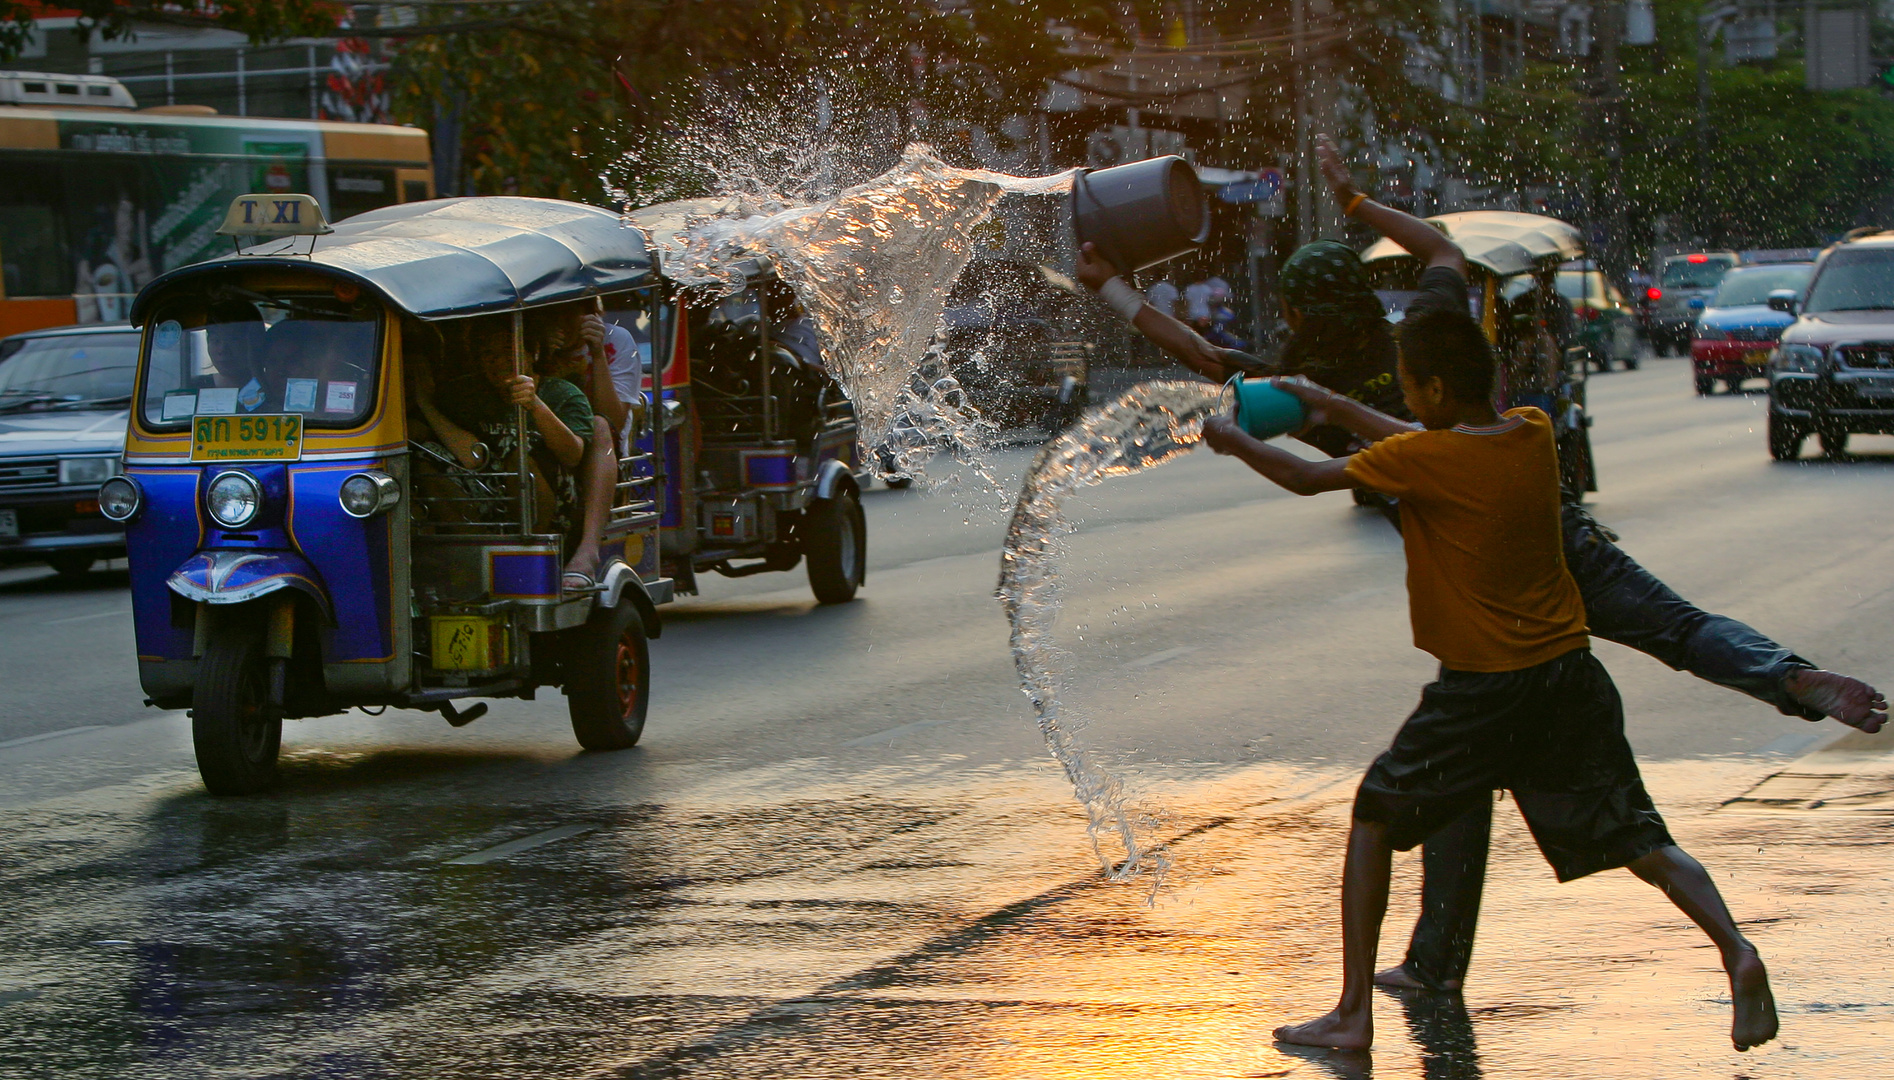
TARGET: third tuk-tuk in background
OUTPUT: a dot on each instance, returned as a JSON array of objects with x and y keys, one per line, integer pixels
[{"x": 1513, "y": 263}]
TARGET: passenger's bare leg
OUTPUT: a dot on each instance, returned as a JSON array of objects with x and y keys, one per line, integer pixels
[
  {"x": 1688, "y": 885},
  {"x": 1847, "y": 699},
  {"x": 598, "y": 479},
  {"x": 1364, "y": 905}
]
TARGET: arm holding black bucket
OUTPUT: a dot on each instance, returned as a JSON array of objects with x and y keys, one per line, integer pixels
[{"x": 1163, "y": 330}]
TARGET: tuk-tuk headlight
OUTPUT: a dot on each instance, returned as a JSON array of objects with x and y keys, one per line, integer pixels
[
  {"x": 87, "y": 470},
  {"x": 120, "y": 498},
  {"x": 369, "y": 493},
  {"x": 233, "y": 499}
]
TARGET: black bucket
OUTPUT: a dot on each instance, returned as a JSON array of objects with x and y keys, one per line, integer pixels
[{"x": 1141, "y": 214}]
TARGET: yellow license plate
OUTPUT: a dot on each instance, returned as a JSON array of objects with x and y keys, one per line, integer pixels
[
  {"x": 469, "y": 643},
  {"x": 247, "y": 438}
]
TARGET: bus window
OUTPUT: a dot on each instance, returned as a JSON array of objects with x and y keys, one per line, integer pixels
[
  {"x": 356, "y": 190},
  {"x": 34, "y": 254}
]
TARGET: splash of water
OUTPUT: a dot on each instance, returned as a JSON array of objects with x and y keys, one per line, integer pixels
[
  {"x": 1145, "y": 427},
  {"x": 872, "y": 265}
]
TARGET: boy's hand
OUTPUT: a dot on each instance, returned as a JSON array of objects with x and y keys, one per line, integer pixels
[
  {"x": 1221, "y": 433},
  {"x": 1317, "y": 402},
  {"x": 1333, "y": 170},
  {"x": 1094, "y": 269},
  {"x": 520, "y": 390}
]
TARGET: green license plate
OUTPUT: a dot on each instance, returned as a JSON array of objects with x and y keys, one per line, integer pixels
[{"x": 247, "y": 438}]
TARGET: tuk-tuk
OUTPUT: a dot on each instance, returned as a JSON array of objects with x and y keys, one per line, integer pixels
[
  {"x": 1513, "y": 261},
  {"x": 296, "y": 551}
]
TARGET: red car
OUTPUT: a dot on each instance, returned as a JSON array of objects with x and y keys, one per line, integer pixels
[{"x": 1737, "y": 330}]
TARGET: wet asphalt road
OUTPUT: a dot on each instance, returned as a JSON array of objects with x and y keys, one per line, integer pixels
[{"x": 841, "y": 850}]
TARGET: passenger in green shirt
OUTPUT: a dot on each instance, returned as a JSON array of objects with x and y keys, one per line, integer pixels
[{"x": 475, "y": 423}]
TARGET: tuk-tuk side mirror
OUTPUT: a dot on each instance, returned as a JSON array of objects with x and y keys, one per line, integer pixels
[{"x": 1783, "y": 300}]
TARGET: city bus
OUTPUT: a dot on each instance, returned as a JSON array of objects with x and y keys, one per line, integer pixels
[{"x": 98, "y": 197}]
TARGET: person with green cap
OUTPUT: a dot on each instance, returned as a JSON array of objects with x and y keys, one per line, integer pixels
[{"x": 1341, "y": 341}]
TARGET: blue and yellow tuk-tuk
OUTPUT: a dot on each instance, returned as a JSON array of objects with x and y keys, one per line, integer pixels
[{"x": 296, "y": 550}]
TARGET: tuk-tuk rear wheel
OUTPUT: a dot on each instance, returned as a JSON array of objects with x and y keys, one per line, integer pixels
[
  {"x": 835, "y": 543},
  {"x": 608, "y": 681},
  {"x": 234, "y": 729}
]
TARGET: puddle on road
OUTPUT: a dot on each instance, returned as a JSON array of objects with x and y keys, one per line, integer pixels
[{"x": 903, "y": 924}]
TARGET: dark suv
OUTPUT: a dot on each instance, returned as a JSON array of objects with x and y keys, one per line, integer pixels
[
  {"x": 64, "y": 398},
  {"x": 1833, "y": 374}
]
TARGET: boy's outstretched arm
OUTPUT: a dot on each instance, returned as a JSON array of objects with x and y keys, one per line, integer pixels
[
  {"x": 1325, "y": 406},
  {"x": 1298, "y": 475}
]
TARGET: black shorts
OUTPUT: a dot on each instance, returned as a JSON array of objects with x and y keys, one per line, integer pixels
[{"x": 1552, "y": 734}]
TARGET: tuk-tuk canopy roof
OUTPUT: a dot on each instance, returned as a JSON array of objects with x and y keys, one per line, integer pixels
[
  {"x": 451, "y": 257},
  {"x": 1501, "y": 241}
]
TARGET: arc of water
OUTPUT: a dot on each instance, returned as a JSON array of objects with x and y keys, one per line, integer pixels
[{"x": 1143, "y": 428}]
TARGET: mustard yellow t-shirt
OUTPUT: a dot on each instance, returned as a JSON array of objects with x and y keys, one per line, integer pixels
[{"x": 1487, "y": 586}]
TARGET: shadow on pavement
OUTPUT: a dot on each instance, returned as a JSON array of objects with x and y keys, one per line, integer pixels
[{"x": 113, "y": 576}]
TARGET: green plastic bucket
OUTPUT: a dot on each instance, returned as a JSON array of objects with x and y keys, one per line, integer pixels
[{"x": 1265, "y": 411}]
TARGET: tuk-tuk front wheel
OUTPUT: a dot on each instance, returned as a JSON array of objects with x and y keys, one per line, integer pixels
[
  {"x": 234, "y": 728},
  {"x": 608, "y": 679},
  {"x": 835, "y": 543}
]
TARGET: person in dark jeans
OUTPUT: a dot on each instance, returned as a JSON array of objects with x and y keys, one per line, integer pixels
[{"x": 1340, "y": 340}]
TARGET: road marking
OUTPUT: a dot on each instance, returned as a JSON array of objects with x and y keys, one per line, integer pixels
[
  {"x": 1157, "y": 658},
  {"x": 88, "y": 618},
  {"x": 891, "y": 734},
  {"x": 44, "y": 735},
  {"x": 524, "y": 843}
]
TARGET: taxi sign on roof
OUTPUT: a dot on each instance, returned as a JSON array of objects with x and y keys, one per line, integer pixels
[{"x": 274, "y": 215}]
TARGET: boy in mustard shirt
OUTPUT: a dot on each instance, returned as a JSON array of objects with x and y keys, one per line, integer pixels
[{"x": 1520, "y": 702}]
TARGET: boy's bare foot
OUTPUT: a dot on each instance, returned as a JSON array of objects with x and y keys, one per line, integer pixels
[
  {"x": 1337, "y": 1030},
  {"x": 1755, "y": 1007},
  {"x": 1399, "y": 978},
  {"x": 1848, "y": 700}
]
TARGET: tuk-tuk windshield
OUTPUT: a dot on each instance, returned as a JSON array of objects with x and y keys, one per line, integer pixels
[{"x": 313, "y": 355}]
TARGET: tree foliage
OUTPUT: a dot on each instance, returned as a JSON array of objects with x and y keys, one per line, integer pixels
[
  {"x": 262, "y": 20},
  {"x": 546, "y": 96}
]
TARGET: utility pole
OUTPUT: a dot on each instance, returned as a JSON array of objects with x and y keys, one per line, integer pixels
[
  {"x": 1305, "y": 139},
  {"x": 1610, "y": 120},
  {"x": 1709, "y": 23}
]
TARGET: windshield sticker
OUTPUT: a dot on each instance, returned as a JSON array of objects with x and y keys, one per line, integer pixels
[
  {"x": 167, "y": 336},
  {"x": 251, "y": 396},
  {"x": 180, "y": 404},
  {"x": 217, "y": 401},
  {"x": 341, "y": 398},
  {"x": 299, "y": 395}
]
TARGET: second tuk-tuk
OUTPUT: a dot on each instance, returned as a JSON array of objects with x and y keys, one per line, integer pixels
[
  {"x": 1513, "y": 262},
  {"x": 298, "y": 549}
]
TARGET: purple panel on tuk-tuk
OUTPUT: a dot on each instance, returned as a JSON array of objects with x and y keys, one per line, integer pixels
[
  {"x": 354, "y": 558},
  {"x": 524, "y": 575},
  {"x": 166, "y": 532},
  {"x": 769, "y": 469}
]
